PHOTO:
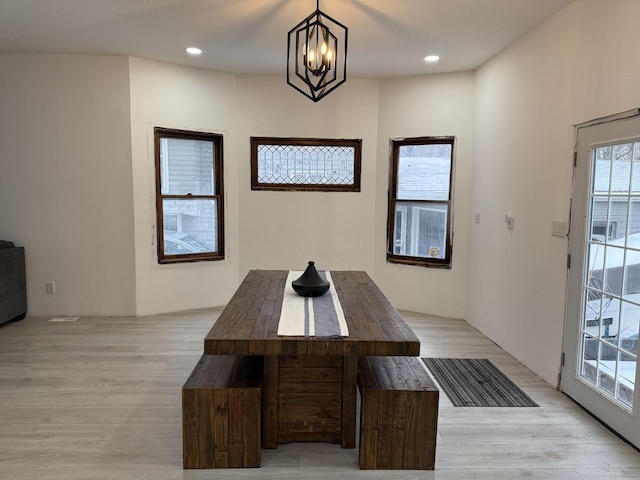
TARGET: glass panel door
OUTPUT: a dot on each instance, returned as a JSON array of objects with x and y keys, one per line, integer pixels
[{"x": 603, "y": 303}]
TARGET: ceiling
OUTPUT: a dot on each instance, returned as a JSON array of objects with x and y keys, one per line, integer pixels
[{"x": 387, "y": 38}]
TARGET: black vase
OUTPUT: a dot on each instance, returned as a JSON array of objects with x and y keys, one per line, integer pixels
[{"x": 310, "y": 283}]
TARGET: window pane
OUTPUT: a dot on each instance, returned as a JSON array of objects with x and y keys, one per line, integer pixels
[
  {"x": 424, "y": 172},
  {"x": 629, "y": 323},
  {"x": 626, "y": 378},
  {"x": 291, "y": 164},
  {"x": 187, "y": 167},
  {"x": 400, "y": 234},
  {"x": 602, "y": 170},
  {"x": 422, "y": 229},
  {"x": 606, "y": 368},
  {"x": 189, "y": 226},
  {"x": 614, "y": 258},
  {"x": 635, "y": 169},
  {"x": 588, "y": 365}
]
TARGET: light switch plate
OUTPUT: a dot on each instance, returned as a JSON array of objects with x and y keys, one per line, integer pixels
[
  {"x": 558, "y": 228},
  {"x": 510, "y": 221}
]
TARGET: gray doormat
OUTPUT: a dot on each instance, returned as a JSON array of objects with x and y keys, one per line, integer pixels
[{"x": 472, "y": 382}]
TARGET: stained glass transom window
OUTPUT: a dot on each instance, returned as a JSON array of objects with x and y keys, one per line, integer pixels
[{"x": 305, "y": 164}]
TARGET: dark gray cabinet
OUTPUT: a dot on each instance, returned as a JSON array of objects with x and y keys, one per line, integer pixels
[{"x": 13, "y": 288}]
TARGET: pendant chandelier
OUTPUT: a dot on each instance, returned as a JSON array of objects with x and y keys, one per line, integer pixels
[{"x": 317, "y": 55}]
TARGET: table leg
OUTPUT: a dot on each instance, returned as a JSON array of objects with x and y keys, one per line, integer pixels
[
  {"x": 270, "y": 402},
  {"x": 349, "y": 385}
]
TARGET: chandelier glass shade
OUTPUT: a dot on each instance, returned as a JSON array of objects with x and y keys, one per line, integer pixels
[{"x": 317, "y": 55}]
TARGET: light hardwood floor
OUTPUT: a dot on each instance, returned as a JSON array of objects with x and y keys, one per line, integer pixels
[{"x": 100, "y": 399}]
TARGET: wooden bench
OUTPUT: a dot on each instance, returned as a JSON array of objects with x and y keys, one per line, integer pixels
[
  {"x": 221, "y": 413},
  {"x": 398, "y": 415}
]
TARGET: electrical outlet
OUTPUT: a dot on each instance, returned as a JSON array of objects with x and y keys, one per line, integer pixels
[
  {"x": 477, "y": 217},
  {"x": 51, "y": 287}
]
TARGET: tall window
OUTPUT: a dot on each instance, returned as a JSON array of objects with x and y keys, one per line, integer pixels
[
  {"x": 189, "y": 196},
  {"x": 420, "y": 201}
]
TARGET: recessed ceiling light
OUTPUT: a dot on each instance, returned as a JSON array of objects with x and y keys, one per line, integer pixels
[
  {"x": 431, "y": 58},
  {"x": 195, "y": 51}
]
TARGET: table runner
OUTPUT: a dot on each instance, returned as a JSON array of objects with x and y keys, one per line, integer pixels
[{"x": 320, "y": 317}]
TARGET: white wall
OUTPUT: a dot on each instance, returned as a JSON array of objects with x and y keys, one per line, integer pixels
[
  {"x": 283, "y": 230},
  {"x": 435, "y": 105},
  {"x": 172, "y": 96},
  {"x": 579, "y": 65},
  {"x": 65, "y": 180},
  {"x": 263, "y": 229}
]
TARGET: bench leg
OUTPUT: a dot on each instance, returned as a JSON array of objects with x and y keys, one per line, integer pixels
[
  {"x": 270, "y": 402},
  {"x": 349, "y": 382}
]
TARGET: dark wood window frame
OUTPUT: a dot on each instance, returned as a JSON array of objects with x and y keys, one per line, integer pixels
[
  {"x": 218, "y": 196},
  {"x": 423, "y": 261},
  {"x": 356, "y": 144}
]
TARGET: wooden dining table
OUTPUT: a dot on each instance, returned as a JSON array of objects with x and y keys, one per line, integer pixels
[{"x": 309, "y": 384}]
